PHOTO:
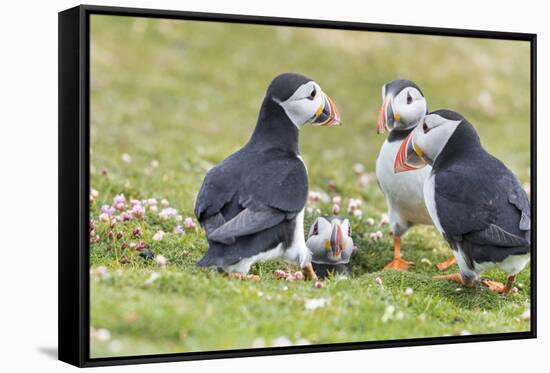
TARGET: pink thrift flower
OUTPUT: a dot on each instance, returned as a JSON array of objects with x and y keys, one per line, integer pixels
[
  {"x": 168, "y": 213},
  {"x": 179, "y": 230},
  {"x": 189, "y": 223},
  {"x": 107, "y": 210},
  {"x": 138, "y": 211}
]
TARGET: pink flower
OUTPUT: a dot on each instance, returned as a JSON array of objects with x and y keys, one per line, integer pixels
[
  {"x": 179, "y": 230},
  {"x": 159, "y": 236},
  {"x": 185, "y": 253},
  {"x": 138, "y": 211},
  {"x": 140, "y": 245},
  {"x": 118, "y": 201},
  {"x": 107, "y": 210},
  {"x": 136, "y": 232},
  {"x": 105, "y": 218},
  {"x": 168, "y": 213},
  {"x": 161, "y": 260},
  {"x": 189, "y": 223},
  {"x": 125, "y": 216}
]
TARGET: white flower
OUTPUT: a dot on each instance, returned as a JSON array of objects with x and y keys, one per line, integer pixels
[
  {"x": 281, "y": 342},
  {"x": 159, "y": 236},
  {"x": 370, "y": 221},
  {"x": 313, "y": 304},
  {"x": 164, "y": 203},
  {"x": 152, "y": 278},
  {"x": 384, "y": 219},
  {"x": 358, "y": 168},
  {"x": 104, "y": 217},
  {"x": 154, "y": 163},
  {"x": 337, "y": 200},
  {"x": 358, "y": 213},
  {"x": 335, "y": 209},
  {"x": 526, "y": 315},
  {"x": 161, "y": 260},
  {"x": 409, "y": 292},
  {"x": 102, "y": 335},
  {"x": 126, "y": 158},
  {"x": 388, "y": 313}
]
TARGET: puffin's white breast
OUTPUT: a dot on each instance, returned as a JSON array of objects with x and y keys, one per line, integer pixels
[{"x": 405, "y": 190}]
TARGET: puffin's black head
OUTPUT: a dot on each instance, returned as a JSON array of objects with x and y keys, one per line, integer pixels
[
  {"x": 431, "y": 139},
  {"x": 302, "y": 100},
  {"x": 403, "y": 106},
  {"x": 330, "y": 241}
]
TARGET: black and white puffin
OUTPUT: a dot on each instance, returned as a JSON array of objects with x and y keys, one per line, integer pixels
[
  {"x": 474, "y": 200},
  {"x": 251, "y": 205},
  {"x": 331, "y": 245},
  {"x": 403, "y": 107}
]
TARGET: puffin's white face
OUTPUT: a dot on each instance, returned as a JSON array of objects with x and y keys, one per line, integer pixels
[
  {"x": 330, "y": 242},
  {"x": 402, "y": 111},
  {"x": 425, "y": 143},
  {"x": 309, "y": 104}
]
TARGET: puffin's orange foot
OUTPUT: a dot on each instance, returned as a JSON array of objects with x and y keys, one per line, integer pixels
[
  {"x": 455, "y": 277},
  {"x": 498, "y": 287},
  {"x": 309, "y": 272},
  {"x": 446, "y": 264},
  {"x": 398, "y": 263}
]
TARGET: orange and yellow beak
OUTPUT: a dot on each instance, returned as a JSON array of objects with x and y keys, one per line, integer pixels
[
  {"x": 387, "y": 116},
  {"x": 327, "y": 113},
  {"x": 409, "y": 156},
  {"x": 337, "y": 240}
]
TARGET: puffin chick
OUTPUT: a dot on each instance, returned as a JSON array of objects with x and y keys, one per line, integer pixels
[
  {"x": 474, "y": 200},
  {"x": 403, "y": 107},
  {"x": 331, "y": 244},
  {"x": 251, "y": 205}
]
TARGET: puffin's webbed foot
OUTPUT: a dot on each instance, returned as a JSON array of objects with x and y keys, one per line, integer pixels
[
  {"x": 457, "y": 277},
  {"x": 499, "y": 287},
  {"x": 446, "y": 264},
  {"x": 399, "y": 263},
  {"x": 309, "y": 272}
]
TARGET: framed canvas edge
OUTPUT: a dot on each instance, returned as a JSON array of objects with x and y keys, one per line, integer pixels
[{"x": 73, "y": 135}]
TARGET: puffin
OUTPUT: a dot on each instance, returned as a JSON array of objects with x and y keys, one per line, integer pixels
[
  {"x": 251, "y": 205},
  {"x": 403, "y": 107},
  {"x": 331, "y": 245},
  {"x": 474, "y": 200}
]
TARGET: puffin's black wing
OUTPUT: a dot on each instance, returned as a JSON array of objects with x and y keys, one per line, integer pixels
[
  {"x": 248, "y": 221},
  {"x": 279, "y": 181},
  {"x": 475, "y": 205}
]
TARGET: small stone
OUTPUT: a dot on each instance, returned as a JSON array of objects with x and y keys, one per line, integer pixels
[{"x": 147, "y": 254}]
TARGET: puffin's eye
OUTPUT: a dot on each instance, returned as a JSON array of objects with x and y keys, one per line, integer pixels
[
  {"x": 315, "y": 229},
  {"x": 409, "y": 98},
  {"x": 312, "y": 94},
  {"x": 425, "y": 128}
]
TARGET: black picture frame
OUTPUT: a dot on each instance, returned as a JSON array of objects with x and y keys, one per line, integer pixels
[{"x": 74, "y": 163}]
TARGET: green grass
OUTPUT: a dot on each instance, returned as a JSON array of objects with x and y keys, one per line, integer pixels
[{"x": 187, "y": 95}]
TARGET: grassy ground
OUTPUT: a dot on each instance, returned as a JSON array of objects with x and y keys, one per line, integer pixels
[{"x": 169, "y": 99}]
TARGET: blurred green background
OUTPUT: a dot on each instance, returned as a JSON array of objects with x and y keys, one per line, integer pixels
[{"x": 171, "y": 98}]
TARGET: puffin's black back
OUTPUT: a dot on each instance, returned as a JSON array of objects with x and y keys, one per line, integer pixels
[{"x": 480, "y": 202}]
